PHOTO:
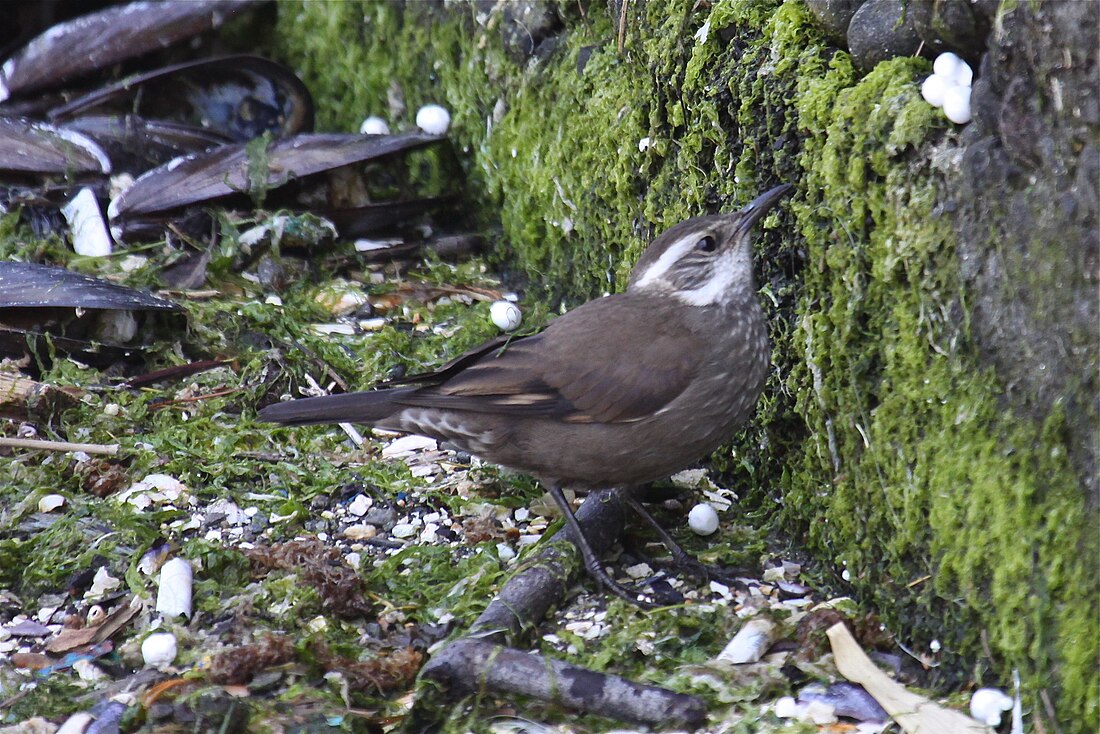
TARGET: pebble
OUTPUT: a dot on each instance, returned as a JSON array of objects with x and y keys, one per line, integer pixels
[
  {"x": 359, "y": 505},
  {"x": 360, "y": 531},
  {"x": 703, "y": 520},
  {"x": 159, "y": 649},
  {"x": 403, "y": 530}
]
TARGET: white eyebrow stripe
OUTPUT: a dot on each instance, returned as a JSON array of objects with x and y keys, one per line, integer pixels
[{"x": 674, "y": 252}]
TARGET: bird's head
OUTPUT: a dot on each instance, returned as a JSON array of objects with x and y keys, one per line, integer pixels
[{"x": 705, "y": 260}]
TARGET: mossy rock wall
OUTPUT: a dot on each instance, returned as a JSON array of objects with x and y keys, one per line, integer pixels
[{"x": 884, "y": 444}]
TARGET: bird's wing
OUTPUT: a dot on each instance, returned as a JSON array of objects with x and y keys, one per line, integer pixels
[{"x": 609, "y": 360}]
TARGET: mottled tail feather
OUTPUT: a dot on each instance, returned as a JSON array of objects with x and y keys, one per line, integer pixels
[{"x": 359, "y": 407}]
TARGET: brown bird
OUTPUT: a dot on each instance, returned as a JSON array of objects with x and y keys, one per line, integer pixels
[{"x": 622, "y": 390}]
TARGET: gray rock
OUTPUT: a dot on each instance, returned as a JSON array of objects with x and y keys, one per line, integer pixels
[
  {"x": 961, "y": 26},
  {"x": 881, "y": 30},
  {"x": 834, "y": 17},
  {"x": 382, "y": 517}
]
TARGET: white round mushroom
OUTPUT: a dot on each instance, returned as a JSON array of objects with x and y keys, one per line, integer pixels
[
  {"x": 946, "y": 64},
  {"x": 159, "y": 649},
  {"x": 374, "y": 125},
  {"x": 506, "y": 315},
  {"x": 933, "y": 89},
  {"x": 987, "y": 705},
  {"x": 433, "y": 119},
  {"x": 702, "y": 519},
  {"x": 956, "y": 105}
]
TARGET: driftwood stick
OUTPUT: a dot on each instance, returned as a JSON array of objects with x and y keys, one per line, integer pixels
[
  {"x": 528, "y": 595},
  {"x": 470, "y": 666},
  {"x": 32, "y": 443},
  {"x": 479, "y": 664}
]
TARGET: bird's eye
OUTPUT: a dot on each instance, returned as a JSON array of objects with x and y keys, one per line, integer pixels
[{"x": 707, "y": 244}]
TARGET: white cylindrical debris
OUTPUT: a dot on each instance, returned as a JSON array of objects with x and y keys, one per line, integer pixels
[
  {"x": 506, "y": 315},
  {"x": 433, "y": 119},
  {"x": 703, "y": 519},
  {"x": 174, "y": 592},
  {"x": 159, "y": 649},
  {"x": 750, "y": 643},
  {"x": 90, "y": 237}
]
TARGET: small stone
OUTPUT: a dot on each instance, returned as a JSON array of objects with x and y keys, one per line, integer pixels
[
  {"x": 638, "y": 571},
  {"x": 834, "y": 16},
  {"x": 702, "y": 519},
  {"x": 360, "y": 531},
  {"x": 403, "y": 530},
  {"x": 505, "y": 552},
  {"x": 51, "y": 502},
  {"x": 881, "y": 30},
  {"x": 158, "y": 649},
  {"x": 359, "y": 505}
]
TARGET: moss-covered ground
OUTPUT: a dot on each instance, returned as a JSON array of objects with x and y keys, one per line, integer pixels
[
  {"x": 881, "y": 447},
  {"x": 881, "y": 443}
]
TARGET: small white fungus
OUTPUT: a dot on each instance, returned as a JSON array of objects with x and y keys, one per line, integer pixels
[
  {"x": 374, "y": 125},
  {"x": 956, "y": 105},
  {"x": 702, "y": 519},
  {"x": 933, "y": 89},
  {"x": 946, "y": 64},
  {"x": 433, "y": 119},
  {"x": 506, "y": 315}
]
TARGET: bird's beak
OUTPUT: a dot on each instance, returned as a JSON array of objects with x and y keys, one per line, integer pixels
[{"x": 760, "y": 206}]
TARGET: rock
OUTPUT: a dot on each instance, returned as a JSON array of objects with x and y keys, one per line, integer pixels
[
  {"x": 834, "y": 16},
  {"x": 881, "y": 30},
  {"x": 961, "y": 26}
]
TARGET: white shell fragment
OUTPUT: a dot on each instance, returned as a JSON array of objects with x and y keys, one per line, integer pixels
[
  {"x": 374, "y": 125},
  {"x": 988, "y": 704},
  {"x": 506, "y": 315},
  {"x": 949, "y": 87},
  {"x": 102, "y": 583},
  {"x": 174, "y": 591},
  {"x": 50, "y": 502},
  {"x": 433, "y": 119},
  {"x": 750, "y": 643},
  {"x": 702, "y": 519},
  {"x": 159, "y": 649},
  {"x": 90, "y": 237}
]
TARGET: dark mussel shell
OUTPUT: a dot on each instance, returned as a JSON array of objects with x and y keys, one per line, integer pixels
[
  {"x": 238, "y": 97},
  {"x": 91, "y": 42},
  {"x": 41, "y": 149},
  {"x": 135, "y": 144},
  {"x": 230, "y": 172},
  {"x": 90, "y": 318}
]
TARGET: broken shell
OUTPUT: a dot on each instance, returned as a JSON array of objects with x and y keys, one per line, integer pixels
[
  {"x": 97, "y": 40},
  {"x": 988, "y": 704},
  {"x": 95, "y": 616},
  {"x": 159, "y": 649},
  {"x": 506, "y": 315},
  {"x": 239, "y": 97},
  {"x": 750, "y": 643},
  {"x": 174, "y": 591},
  {"x": 50, "y": 502},
  {"x": 90, "y": 237},
  {"x": 39, "y": 148}
]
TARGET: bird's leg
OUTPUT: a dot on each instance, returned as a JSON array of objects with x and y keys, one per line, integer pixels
[
  {"x": 680, "y": 557},
  {"x": 591, "y": 562}
]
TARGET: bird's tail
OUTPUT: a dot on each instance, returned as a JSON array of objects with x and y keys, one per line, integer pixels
[{"x": 357, "y": 407}]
